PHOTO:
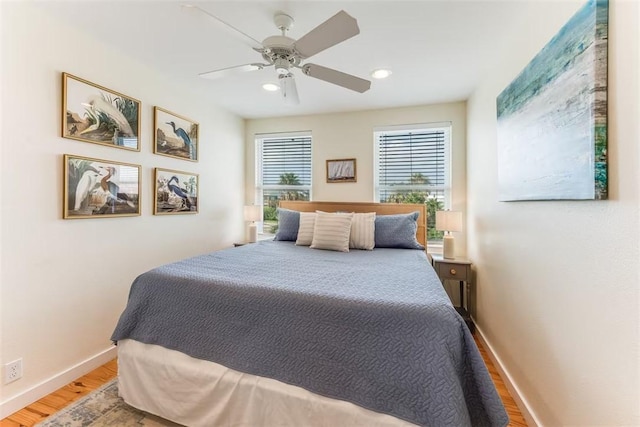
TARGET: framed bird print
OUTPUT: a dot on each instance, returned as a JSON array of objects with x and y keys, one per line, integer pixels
[
  {"x": 92, "y": 113},
  {"x": 175, "y": 192},
  {"x": 175, "y": 135},
  {"x": 95, "y": 188}
]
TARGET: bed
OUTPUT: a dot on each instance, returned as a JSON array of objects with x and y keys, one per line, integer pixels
[{"x": 282, "y": 334}]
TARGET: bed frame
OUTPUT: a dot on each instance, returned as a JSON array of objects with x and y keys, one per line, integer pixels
[
  {"x": 362, "y": 207},
  {"x": 150, "y": 374}
]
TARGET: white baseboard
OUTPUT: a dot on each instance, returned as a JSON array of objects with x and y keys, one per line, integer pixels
[
  {"x": 27, "y": 397},
  {"x": 525, "y": 409}
]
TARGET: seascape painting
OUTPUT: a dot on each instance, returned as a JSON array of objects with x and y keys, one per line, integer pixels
[
  {"x": 175, "y": 192},
  {"x": 552, "y": 119},
  {"x": 96, "y": 188},
  {"x": 92, "y": 113},
  {"x": 175, "y": 135}
]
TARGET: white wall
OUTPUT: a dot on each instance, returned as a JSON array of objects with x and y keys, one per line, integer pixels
[
  {"x": 350, "y": 135},
  {"x": 65, "y": 282},
  {"x": 558, "y": 282}
]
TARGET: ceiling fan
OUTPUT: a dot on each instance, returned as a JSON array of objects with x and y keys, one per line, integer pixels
[{"x": 285, "y": 53}]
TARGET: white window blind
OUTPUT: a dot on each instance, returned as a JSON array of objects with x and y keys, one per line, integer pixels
[
  {"x": 411, "y": 160},
  {"x": 283, "y": 157}
]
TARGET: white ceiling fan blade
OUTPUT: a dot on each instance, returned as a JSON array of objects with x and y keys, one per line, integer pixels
[
  {"x": 225, "y": 72},
  {"x": 288, "y": 89},
  {"x": 337, "y": 77},
  {"x": 255, "y": 44},
  {"x": 334, "y": 30}
]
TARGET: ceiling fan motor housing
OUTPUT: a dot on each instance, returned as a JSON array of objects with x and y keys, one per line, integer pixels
[{"x": 279, "y": 51}]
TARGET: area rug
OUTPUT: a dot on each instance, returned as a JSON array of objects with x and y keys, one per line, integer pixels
[{"x": 103, "y": 407}]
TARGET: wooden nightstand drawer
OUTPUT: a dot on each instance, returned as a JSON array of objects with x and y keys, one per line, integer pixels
[{"x": 453, "y": 271}]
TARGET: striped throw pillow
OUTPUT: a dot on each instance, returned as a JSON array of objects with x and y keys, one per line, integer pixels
[
  {"x": 305, "y": 231},
  {"x": 332, "y": 231},
  {"x": 363, "y": 231}
]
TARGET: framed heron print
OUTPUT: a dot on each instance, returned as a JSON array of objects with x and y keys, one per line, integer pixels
[
  {"x": 175, "y": 135},
  {"x": 95, "y": 188},
  {"x": 176, "y": 192},
  {"x": 92, "y": 113}
]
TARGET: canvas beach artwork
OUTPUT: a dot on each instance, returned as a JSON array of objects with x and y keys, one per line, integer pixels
[
  {"x": 92, "y": 113},
  {"x": 176, "y": 192},
  {"x": 552, "y": 119},
  {"x": 95, "y": 188},
  {"x": 175, "y": 135}
]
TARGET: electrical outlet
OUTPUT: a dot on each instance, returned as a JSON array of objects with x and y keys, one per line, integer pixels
[{"x": 12, "y": 371}]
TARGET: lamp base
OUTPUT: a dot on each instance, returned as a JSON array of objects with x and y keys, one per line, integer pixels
[
  {"x": 253, "y": 233},
  {"x": 448, "y": 247}
]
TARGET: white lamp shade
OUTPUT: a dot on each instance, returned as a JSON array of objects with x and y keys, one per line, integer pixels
[
  {"x": 253, "y": 213},
  {"x": 448, "y": 221}
]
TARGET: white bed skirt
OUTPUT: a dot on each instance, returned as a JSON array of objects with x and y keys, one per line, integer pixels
[{"x": 196, "y": 392}]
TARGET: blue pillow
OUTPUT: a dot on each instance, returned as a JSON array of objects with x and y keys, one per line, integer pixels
[
  {"x": 288, "y": 224},
  {"x": 397, "y": 231}
]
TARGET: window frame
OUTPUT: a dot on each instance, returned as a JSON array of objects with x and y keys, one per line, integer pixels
[
  {"x": 445, "y": 188},
  {"x": 259, "y": 186}
]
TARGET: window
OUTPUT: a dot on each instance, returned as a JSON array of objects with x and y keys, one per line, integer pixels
[
  {"x": 283, "y": 172},
  {"x": 412, "y": 165}
]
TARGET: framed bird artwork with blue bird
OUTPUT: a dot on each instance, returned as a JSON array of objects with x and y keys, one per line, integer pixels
[
  {"x": 176, "y": 192},
  {"x": 92, "y": 113},
  {"x": 95, "y": 188},
  {"x": 175, "y": 135}
]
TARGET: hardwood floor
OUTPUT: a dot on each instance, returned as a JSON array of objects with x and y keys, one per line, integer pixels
[
  {"x": 515, "y": 416},
  {"x": 57, "y": 400},
  {"x": 62, "y": 397}
]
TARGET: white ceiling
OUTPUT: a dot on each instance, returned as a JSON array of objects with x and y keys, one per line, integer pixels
[{"x": 437, "y": 50}]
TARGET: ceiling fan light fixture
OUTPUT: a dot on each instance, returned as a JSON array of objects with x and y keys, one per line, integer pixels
[
  {"x": 270, "y": 87},
  {"x": 380, "y": 73},
  {"x": 288, "y": 89}
]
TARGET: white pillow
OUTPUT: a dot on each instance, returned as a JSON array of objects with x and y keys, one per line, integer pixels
[
  {"x": 363, "y": 231},
  {"x": 332, "y": 231},
  {"x": 305, "y": 230}
]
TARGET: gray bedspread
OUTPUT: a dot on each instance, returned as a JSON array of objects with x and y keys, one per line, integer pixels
[{"x": 371, "y": 327}]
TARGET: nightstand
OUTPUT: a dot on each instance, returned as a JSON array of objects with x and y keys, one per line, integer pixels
[{"x": 457, "y": 269}]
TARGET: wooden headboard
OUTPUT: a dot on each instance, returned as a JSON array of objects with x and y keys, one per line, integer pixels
[{"x": 361, "y": 207}]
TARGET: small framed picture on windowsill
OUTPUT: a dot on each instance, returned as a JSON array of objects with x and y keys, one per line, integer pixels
[{"x": 341, "y": 170}]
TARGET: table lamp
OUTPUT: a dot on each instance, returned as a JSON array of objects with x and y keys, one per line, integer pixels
[
  {"x": 253, "y": 213},
  {"x": 448, "y": 221}
]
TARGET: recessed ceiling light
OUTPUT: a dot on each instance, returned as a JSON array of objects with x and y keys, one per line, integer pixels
[
  {"x": 271, "y": 87},
  {"x": 380, "y": 73}
]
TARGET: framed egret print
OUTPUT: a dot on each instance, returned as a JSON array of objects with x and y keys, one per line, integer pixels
[
  {"x": 92, "y": 113},
  {"x": 95, "y": 188},
  {"x": 176, "y": 192},
  {"x": 175, "y": 135},
  {"x": 341, "y": 170}
]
